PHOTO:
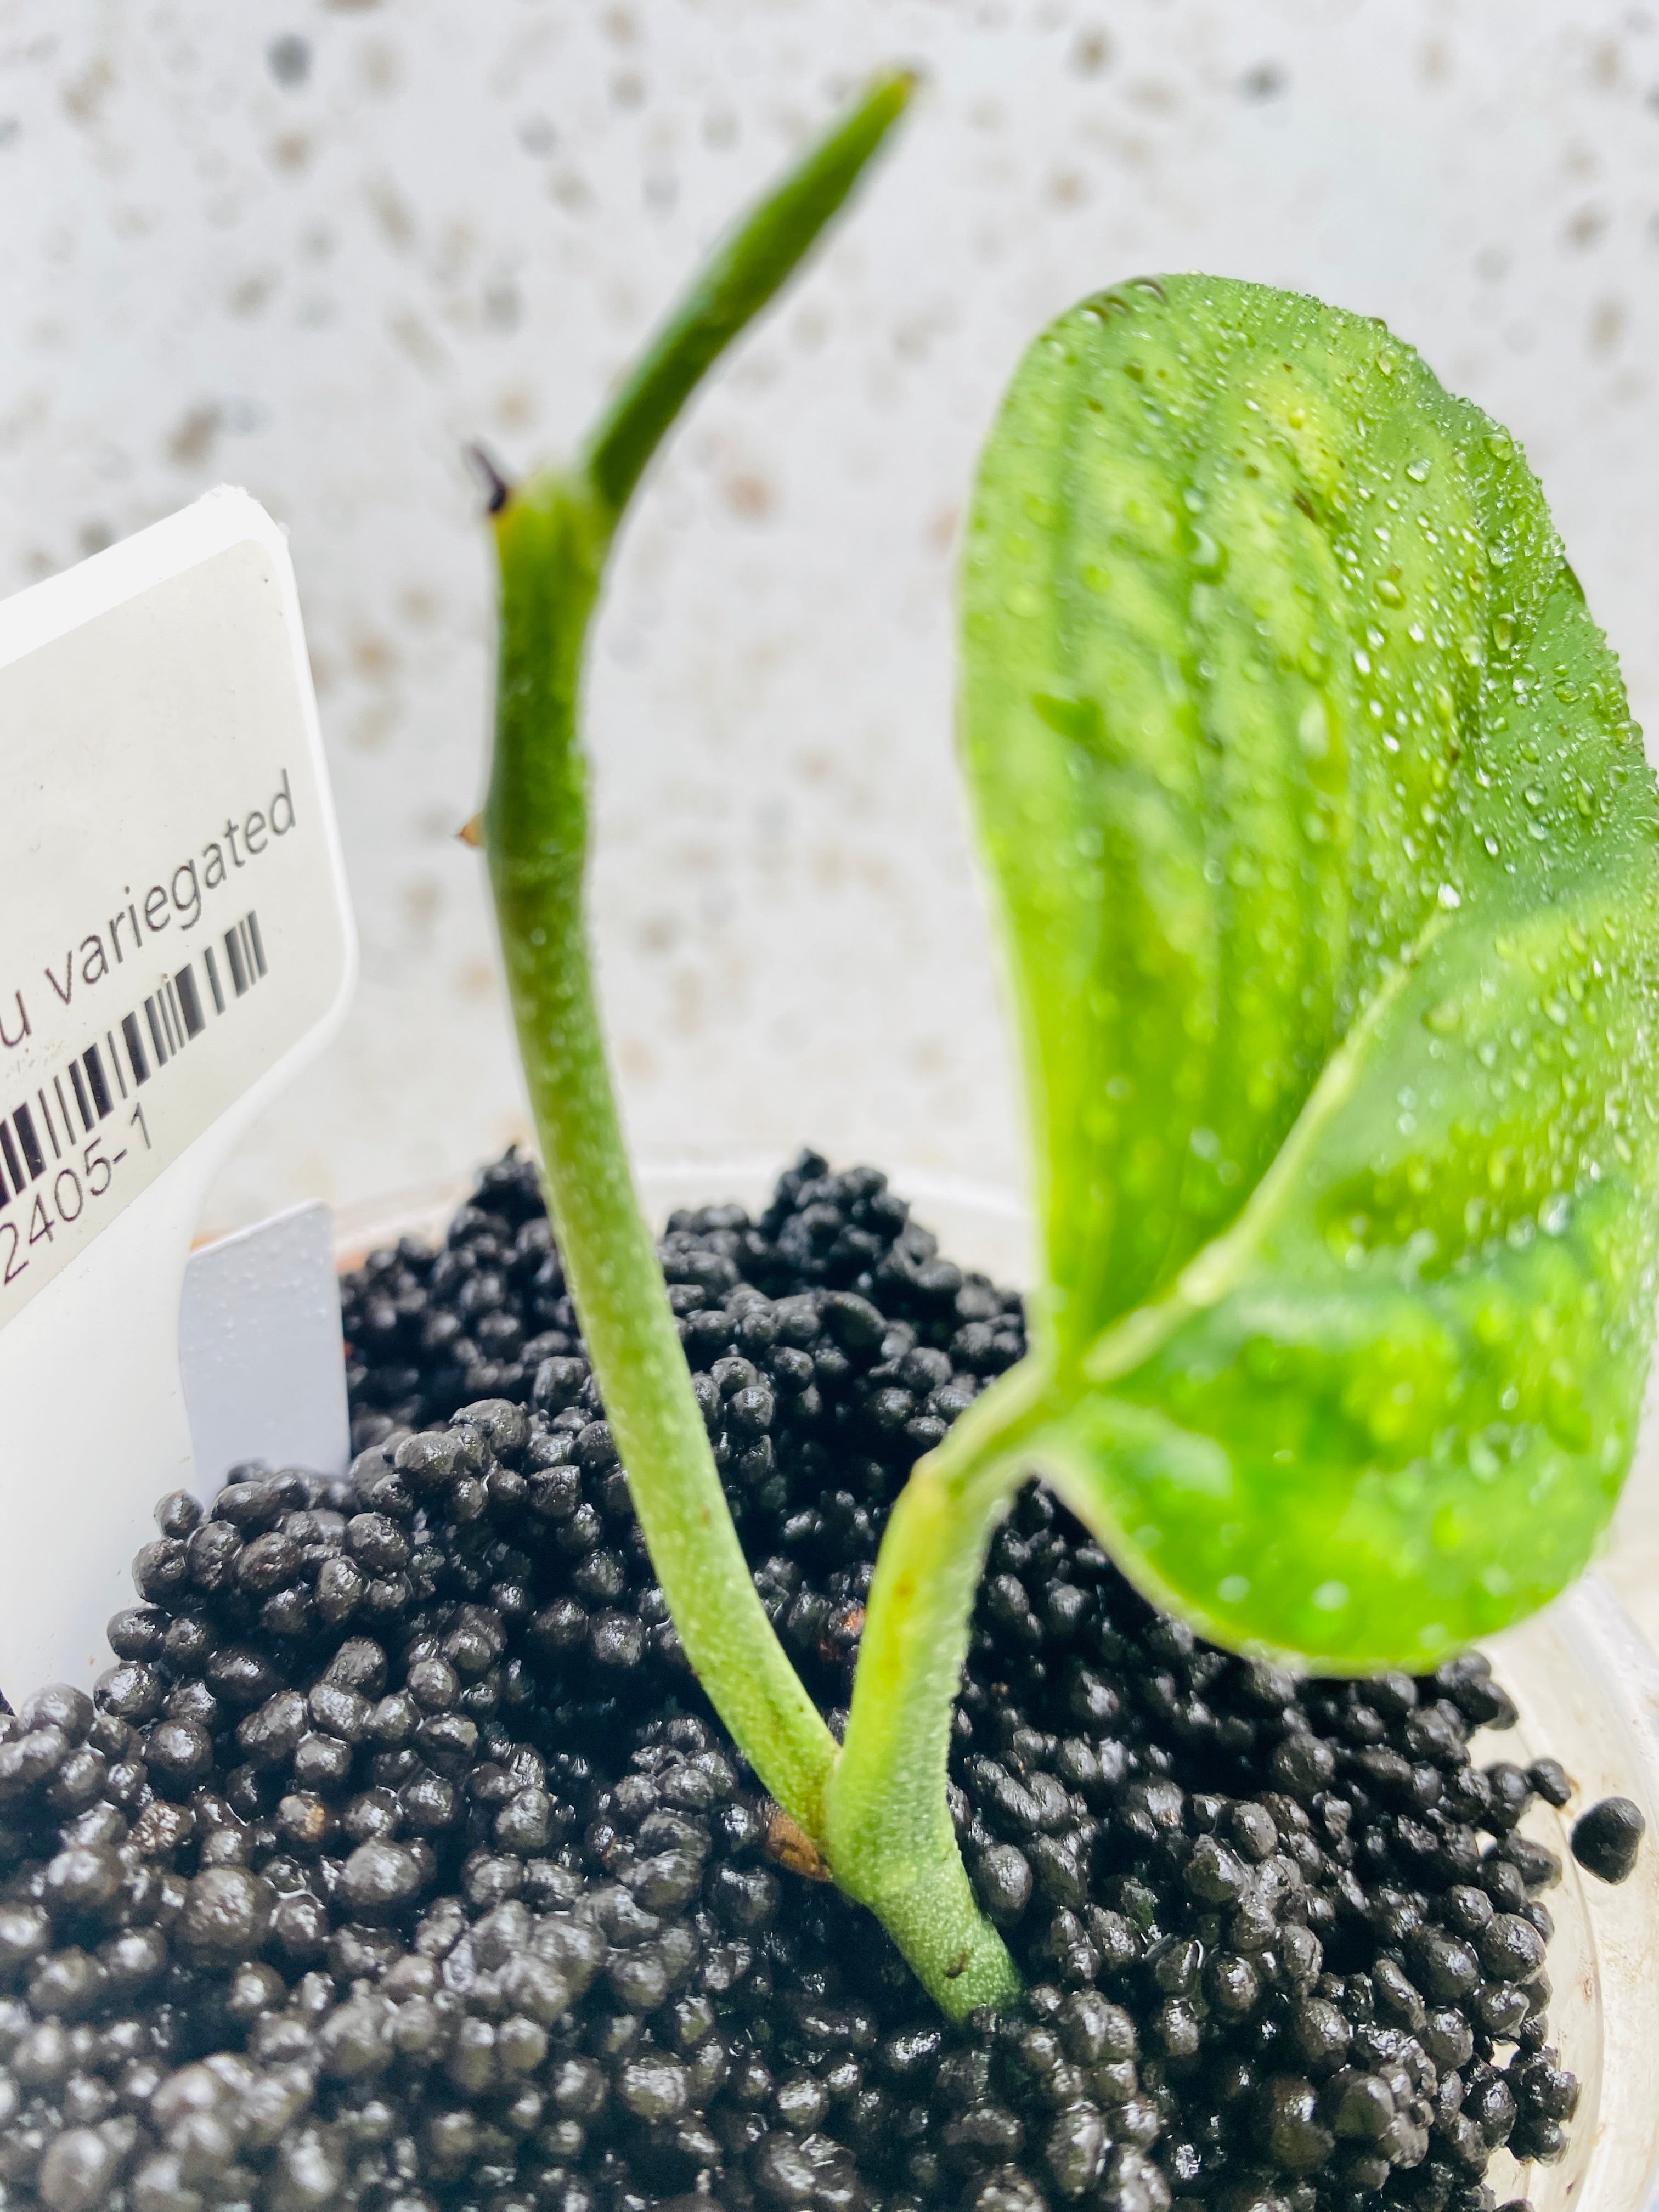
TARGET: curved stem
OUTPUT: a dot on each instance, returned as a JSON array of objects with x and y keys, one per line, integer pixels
[
  {"x": 553, "y": 537},
  {"x": 891, "y": 1840},
  {"x": 877, "y": 1810},
  {"x": 733, "y": 285},
  {"x": 552, "y": 540}
]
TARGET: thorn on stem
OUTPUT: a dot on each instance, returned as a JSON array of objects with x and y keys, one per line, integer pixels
[
  {"x": 497, "y": 491},
  {"x": 472, "y": 833}
]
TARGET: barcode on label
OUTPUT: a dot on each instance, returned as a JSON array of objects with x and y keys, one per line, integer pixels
[{"x": 71, "y": 1103}]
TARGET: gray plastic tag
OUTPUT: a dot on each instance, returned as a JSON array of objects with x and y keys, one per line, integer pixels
[{"x": 260, "y": 1352}]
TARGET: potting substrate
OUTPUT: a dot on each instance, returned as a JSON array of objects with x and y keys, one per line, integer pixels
[{"x": 399, "y": 1862}]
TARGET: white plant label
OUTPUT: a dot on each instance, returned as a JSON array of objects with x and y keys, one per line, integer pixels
[
  {"x": 166, "y": 927},
  {"x": 174, "y": 939}
]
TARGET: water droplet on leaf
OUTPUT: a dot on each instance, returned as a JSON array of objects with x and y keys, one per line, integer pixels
[{"x": 1209, "y": 561}]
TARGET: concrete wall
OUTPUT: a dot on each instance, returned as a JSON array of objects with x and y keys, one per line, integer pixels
[{"x": 312, "y": 249}]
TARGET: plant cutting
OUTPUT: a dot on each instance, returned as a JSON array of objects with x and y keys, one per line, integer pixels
[
  {"x": 513, "y": 1823},
  {"x": 1325, "y": 848}
]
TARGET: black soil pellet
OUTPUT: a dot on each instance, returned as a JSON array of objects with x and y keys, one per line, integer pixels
[
  {"x": 1606, "y": 1839},
  {"x": 397, "y": 1861}
]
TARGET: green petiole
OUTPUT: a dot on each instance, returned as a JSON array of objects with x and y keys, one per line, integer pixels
[
  {"x": 553, "y": 537},
  {"x": 890, "y": 1837}
]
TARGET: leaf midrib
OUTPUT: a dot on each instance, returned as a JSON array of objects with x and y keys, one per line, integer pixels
[{"x": 1218, "y": 1266}]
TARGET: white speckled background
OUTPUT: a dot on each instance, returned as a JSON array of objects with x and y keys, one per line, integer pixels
[{"x": 313, "y": 249}]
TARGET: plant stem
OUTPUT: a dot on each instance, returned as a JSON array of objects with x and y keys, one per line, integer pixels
[
  {"x": 734, "y": 284},
  {"x": 891, "y": 1839},
  {"x": 553, "y": 536},
  {"x": 552, "y": 539},
  {"x": 878, "y": 1812}
]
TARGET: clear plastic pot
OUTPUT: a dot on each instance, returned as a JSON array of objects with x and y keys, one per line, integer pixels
[{"x": 1586, "y": 1682}]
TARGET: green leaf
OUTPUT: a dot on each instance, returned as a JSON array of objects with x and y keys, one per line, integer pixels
[{"x": 1326, "y": 852}]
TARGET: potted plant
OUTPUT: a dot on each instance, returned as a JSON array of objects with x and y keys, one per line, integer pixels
[{"x": 639, "y": 1783}]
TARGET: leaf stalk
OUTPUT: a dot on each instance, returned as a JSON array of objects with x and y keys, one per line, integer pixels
[
  {"x": 552, "y": 539},
  {"x": 891, "y": 1837},
  {"x": 887, "y": 1838}
]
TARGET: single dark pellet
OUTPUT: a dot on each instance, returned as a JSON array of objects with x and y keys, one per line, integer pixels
[
  {"x": 399, "y": 1863},
  {"x": 1606, "y": 1838}
]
